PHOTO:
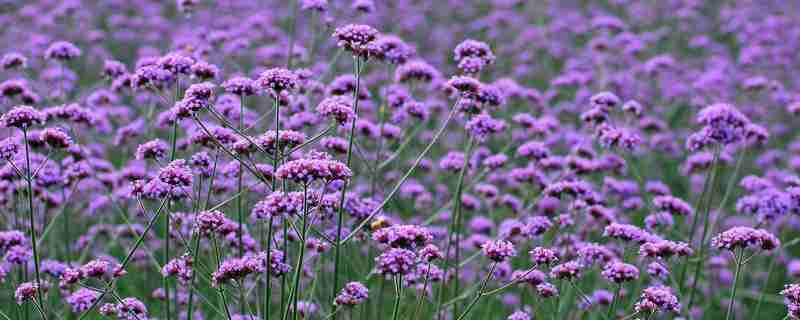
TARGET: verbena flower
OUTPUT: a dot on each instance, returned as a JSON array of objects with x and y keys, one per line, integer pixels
[
  {"x": 355, "y": 38},
  {"x": 745, "y": 238},
  {"x": 353, "y": 293},
  {"x": 657, "y": 299}
]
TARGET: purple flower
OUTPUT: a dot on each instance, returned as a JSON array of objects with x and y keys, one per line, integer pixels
[
  {"x": 403, "y": 236},
  {"x": 26, "y": 292},
  {"x": 82, "y": 299},
  {"x": 353, "y": 293},
  {"x": 519, "y": 315},
  {"x": 179, "y": 267},
  {"x": 209, "y": 221},
  {"x": 745, "y": 238},
  {"x": 499, "y": 250},
  {"x": 619, "y": 272},
  {"x": 315, "y": 5},
  {"x": 723, "y": 124},
  {"x": 237, "y": 269},
  {"x": 568, "y": 270},
  {"x": 240, "y": 86},
  {"x": 673, "y": 205},
  {"x": 390, "y": 49},
  {"x": 13, "y": 60},
  {"x": 22, "y": 117},
  {"x": 543, "y": 256},
  {"x": 355, "y": 38},
  {"x": 606, "y": 101},
  {"x": 471, "y": 49},
  {"x": 9, "y": 147},
  {"x": 176, "y": 174},
  {"x": 664, "y": 249},
  {"x": 452, "y": 161},
  {"x": 791, "y": 294},
  {"x": 483, "y": 125},
  {"x": 154, "y": 149},
  {"x": 338, "y": 108},
  {"x": 468, "y": 86},
  {"x": 279, "y": 204},
  {"x": 657, "y": 299},
  {"x": 277, "y": 80},
  {"x": 416, "y": 71},
  {"x": 396, "y": 261},
  {"x": 204, "y": 70},
  {"x": 547, "y": 290},
  {"x": 62, "y": 50},
  {"x": 305, "y": 171},
  {"x": 626, "y": 232}
]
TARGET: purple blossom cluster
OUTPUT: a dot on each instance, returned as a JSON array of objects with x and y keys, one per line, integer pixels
[{"x": 315, "y": 159}]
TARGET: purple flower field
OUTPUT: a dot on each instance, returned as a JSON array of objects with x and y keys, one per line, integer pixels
[{"x": 399, "y": 159}]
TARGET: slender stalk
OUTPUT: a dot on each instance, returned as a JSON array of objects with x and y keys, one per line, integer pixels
[
  {"x": 165, "y": 279},
  {"x": 32, "y": 220},
  {"x": 761, "y": 296},
  {"x": 398, "y": 290},
  {"x": 240, "y": 203},
  {"x": 220, "y": 290},
  {"x": 737, "y": 258},
  {"x": 300, "y": 255},
  {"x": 455, "y": 223},
  {"x": 408, "y": 173},
  {"x": 424, "y": 291},
  {"x": 613, "y": 305},
  {"x": 268, "y": 289},
  {"x": 340, "y": 214},
  {"x": 128, "y": 257},
  {"x": 480, "y": 292},
  {"x": 195, "y": 256},
  {"x": 273, "y": 186},
  {"x": 696, "y": 219},
  {"x": 699, "y": 264}
]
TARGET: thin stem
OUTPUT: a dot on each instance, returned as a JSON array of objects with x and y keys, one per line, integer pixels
[
  {"x": 408, "y": 173},
  {"x": 737, "y": 258},
  {"x": 480, "y": 292},
  {"x": 239, "y": 202},
  {"x": 398, "y": 290},
  {"x": 295, "y": 293},
  {"x": 766, "y": 284},
  {"x": 220, "y": 290},
  {"x": 707, "y": 218},
  {"x": 32, "y": 221},
  {"x": 696, "y": 219},
  {"x": 455, "y": 229},
  {"x": 128, "y": 257},
  {"x": 613, "y": 305},
  {"x": 195, "y": 256},
  {"x": 340, "y": 214}
]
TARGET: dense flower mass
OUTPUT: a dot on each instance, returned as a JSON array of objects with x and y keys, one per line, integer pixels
[
  {"x": 352, "y": 294},
  {"x": 470, "y": 159},
  {"x": 304, "y": 171},
  {"x": 745, "y": 238}
]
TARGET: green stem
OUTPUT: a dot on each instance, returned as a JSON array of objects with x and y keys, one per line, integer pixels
[
  {"x": 613, "y": 305},
  {"x": 480, "y": 292},
  {"x": 737, "y": 258},
  {"x": 128, "y": 257},
  {"x": 764, "y": 291},
  {"x": 220, "y": 290},
  {"x": 295, "y": 293},
  {"x": 32, "y": 221},
  {"x": 706, "y": 221},
  {"x": 340, "y": 214},
  {"x": 398, "y": 290},
  {"x": 455, "y": 230}
]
